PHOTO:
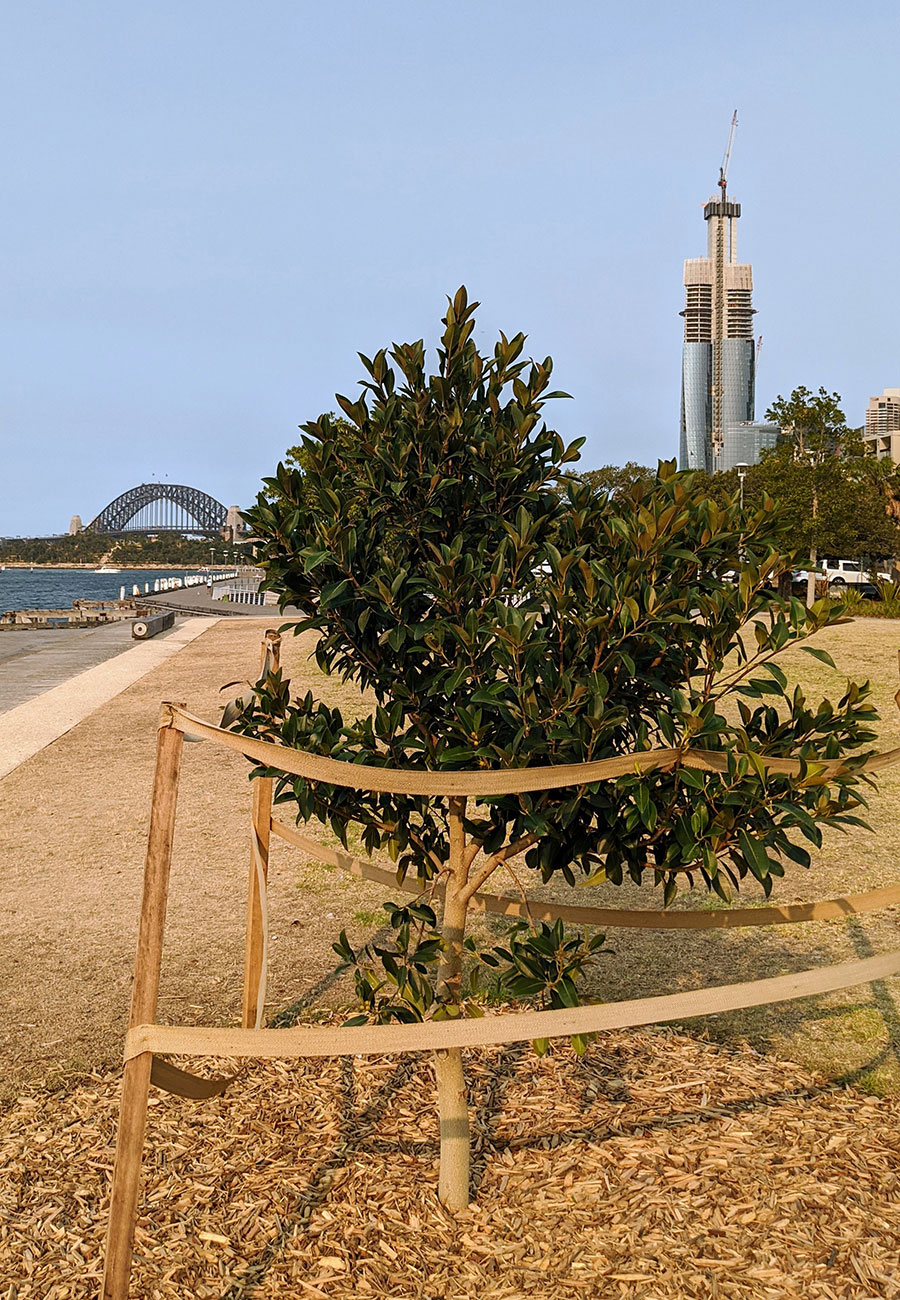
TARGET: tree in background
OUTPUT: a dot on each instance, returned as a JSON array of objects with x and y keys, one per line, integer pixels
[
  {"x": 832, "y": 496},
  {"x": 616, "y": 478},
  {"x": 503, "y": 614},
  {"x": 297, "y": 457},
  {"x": 133, "y": 549},
  {"x": 834, "y": 499}
]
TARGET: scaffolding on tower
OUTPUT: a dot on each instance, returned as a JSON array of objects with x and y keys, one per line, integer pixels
[{"x": 719, "y": 299}]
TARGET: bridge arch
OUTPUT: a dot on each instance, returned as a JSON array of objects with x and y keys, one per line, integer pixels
[{"x": 161, "y": 507}]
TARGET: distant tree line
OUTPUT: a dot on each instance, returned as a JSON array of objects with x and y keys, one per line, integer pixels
[
  {"x": 135, "y": 549},
  {"x": 836, "y": 500}
]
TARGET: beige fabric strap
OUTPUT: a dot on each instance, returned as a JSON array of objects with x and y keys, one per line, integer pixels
[
  {"x": 519, "y": 780},
  {"x": 168, "y": 1077},
  {"x": 375, "y": 1040},
  {"x": 610, "y": 917},
  {"x": 389, "y": 780}
]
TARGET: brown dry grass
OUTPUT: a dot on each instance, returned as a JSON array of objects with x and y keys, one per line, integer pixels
[
  {"x": 658, "y": 1167},
  {"x": 74, "y": 824},
  {"x": 74, "y": 821},
  {"x": 661, "y": 1166}
]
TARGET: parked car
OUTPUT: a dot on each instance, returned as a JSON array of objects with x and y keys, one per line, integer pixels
[
  {"x": 835, "y": 581},
  {"x": 851, "y": 572}
]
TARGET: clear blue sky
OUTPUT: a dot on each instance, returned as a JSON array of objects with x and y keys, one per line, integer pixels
[{"x": 210, "y": 206}]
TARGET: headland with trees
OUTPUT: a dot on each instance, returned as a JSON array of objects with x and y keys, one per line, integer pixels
[{"x": 132, "y": 551}]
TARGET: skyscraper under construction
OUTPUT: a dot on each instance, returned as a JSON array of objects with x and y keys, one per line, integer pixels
[{"x": 719, "y": 361}]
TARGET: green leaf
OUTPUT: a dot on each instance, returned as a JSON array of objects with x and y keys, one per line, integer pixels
[
  {"x": 795, "y": 853},
  {"x": 821, "y": 655},
  {"x": 754, "y": 855},
  {"x": 313, "y": 558},
  {"x": 331, "y": 595}
]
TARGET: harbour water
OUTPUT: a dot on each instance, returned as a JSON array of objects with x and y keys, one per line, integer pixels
[{"x": 57, "y": 588}]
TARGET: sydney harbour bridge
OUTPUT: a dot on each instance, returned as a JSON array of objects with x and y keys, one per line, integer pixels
[{"x": 165, "y": 508}]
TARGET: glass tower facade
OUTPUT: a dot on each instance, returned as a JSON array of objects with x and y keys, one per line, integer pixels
[
  {"x": 745, "y": 440},
  {"x": 696, "y": 406},
  {"x": 719, "y": 358}
]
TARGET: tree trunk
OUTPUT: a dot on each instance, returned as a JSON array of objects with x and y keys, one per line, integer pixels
[
  {"x": 813, "y": 555},
  {"x": 811, "y": 578},
  {"x": 453, "y": 1185}
]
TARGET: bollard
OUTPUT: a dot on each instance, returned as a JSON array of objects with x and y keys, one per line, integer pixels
[{"x": 143, "y": 628}]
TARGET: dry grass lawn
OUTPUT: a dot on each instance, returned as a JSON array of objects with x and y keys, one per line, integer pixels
[
  {"x": 74, "y": 821},
  {"x": 662, "y": 1166}
]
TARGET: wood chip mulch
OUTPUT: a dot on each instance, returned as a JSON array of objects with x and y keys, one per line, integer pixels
[{"x": 659, "y": 1166}]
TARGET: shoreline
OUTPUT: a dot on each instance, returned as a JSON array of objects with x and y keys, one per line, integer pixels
[{"x": 122, "y": 568}]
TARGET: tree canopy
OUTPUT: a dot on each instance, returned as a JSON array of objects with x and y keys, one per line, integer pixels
[
  {"x": 833, "y": 497},
  {"x": 616, "y": 478},
  {"x": 505, "y": 614},
  {"x": 499, "y": 622},
  {"x": 135, "y": 549}
]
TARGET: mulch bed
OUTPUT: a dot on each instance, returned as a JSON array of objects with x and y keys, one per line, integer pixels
[{"x": 659, "y": 1166}]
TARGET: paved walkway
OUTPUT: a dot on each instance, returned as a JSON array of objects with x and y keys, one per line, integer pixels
[
  {"x": 36, "y": 722},
  {"x": 196, "y": 600},
  {"x": 32, "y": 661}
]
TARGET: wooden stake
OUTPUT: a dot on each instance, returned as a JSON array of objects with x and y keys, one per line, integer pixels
[
  {"x": 260, "y": 830},
  {"x": 136, "y": 1084}
]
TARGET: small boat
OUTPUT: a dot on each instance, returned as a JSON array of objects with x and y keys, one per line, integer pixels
[{"x": 107, "y": 568}]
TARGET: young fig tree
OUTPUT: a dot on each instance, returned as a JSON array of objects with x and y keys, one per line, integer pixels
[{"x": 504, "y": 615}]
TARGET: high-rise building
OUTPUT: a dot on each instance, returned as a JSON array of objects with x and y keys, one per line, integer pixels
[
  {"x": 881, "y": 435},
  {"x": 719, "y": 361}
]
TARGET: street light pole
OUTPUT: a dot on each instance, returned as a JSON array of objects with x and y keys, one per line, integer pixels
[{"x": 742, "y": 468}]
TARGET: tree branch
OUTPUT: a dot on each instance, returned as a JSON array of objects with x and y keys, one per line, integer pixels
[
  {"x": 496, "y": 860},
  {"x": 522, "y": 894},
  {"x": 474, "y": 848}
]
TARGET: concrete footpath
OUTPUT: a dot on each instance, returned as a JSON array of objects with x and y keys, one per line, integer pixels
[
  {"x": 35, "y": 723},
  {"x": 34, "y": 660},
  {"x": 196, "y": 600}
]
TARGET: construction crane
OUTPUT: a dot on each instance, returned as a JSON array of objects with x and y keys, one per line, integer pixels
[
  {"x": 723, "y": 170},
  {"x": 756, "y": 361},
  {"x": 719, "y": 299}
]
